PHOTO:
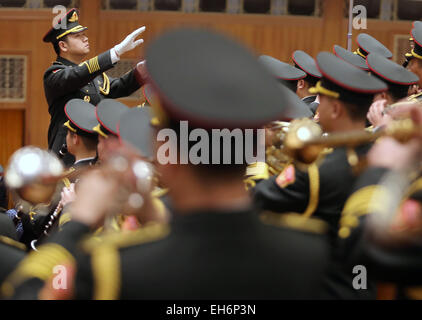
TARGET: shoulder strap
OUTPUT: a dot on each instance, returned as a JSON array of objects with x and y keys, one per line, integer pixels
[{"x": 314, "y": 183}]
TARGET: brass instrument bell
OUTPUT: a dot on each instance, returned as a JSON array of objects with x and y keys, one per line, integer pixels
[{"x": 33, "y": 173}]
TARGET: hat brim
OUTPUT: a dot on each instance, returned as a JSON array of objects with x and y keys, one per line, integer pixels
[{"x": 50, "y": 37}]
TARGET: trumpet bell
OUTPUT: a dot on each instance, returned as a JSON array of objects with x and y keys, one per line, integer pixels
[
  {"x": 33, "y": 174},
  {"x": 300, "y": 132}
]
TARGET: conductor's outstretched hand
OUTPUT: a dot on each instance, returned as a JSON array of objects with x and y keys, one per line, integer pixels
[{"x": 130, "y": 42}]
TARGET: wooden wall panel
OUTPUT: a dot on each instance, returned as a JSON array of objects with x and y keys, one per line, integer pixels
[
  {"x": 22, "y": 31},
  {"x": 11, "y": 133}
]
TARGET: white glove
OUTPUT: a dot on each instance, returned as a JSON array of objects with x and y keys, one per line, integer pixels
[{"x": 129, "y": 43}]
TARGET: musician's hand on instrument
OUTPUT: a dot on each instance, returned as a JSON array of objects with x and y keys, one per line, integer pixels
[
  {"x": 391, "y": 154},
  {"x": 414, "y": 90},
  {"x": 403, "y": 109},
  {"x": 96, "y": 195},
  {"x": 68, "y": 195},
  {"x": 375, "y": 114}
]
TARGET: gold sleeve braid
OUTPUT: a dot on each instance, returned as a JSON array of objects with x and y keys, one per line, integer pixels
[
  {"x": 92, "y": 65},
  {"x": 38, "y": 264}
]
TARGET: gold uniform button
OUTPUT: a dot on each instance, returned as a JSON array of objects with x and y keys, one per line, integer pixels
[{"x": 87, "y": 98}]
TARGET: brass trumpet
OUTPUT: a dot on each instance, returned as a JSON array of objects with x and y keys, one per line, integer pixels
[
  {"x": 304, "y": 141},
  {"x": 275, "y": 134}
]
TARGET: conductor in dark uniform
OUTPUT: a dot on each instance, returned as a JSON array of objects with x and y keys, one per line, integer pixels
[
  {"x": 71, "y": 77},
  {"x": 215, "y": 247}
]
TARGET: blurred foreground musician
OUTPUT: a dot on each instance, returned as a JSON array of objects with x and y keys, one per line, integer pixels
[
  {"x": 135, "y": 132},
  {"x": 346, "y": 93},
  {"x": 381, "y": 224},
  {"x": 215, "y": 247}
]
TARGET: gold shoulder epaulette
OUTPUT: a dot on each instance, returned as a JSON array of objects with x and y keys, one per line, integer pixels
[
  {"x": 38, "y": 264},
  {"x": 370, "y": 199},
  {"x": 12, "y": 243},
  {"x": 256, "y": 171},
  {"x": 294, "y": 221},
  {"x": 146, "y": 234}
]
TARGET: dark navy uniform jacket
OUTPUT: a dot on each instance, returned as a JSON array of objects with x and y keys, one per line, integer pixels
[
  {"x": 11, "y": 251},
  {"x": 322, "y": 192},
  {"x": 201, "y": 255}
]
